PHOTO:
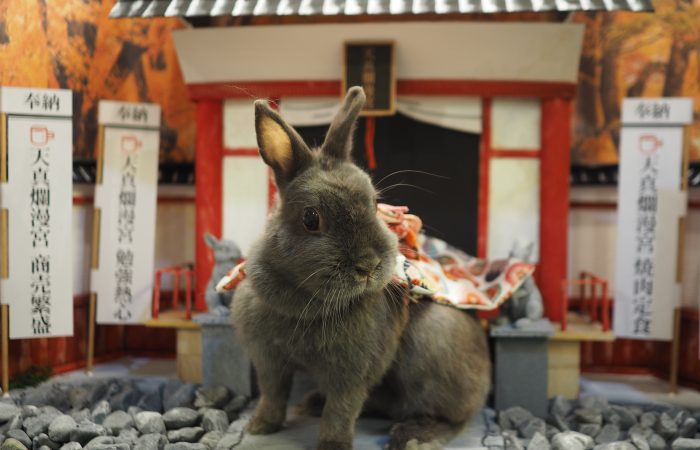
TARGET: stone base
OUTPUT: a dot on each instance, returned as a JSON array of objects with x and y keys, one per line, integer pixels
[
  {"x": 224, "y": 361},
  {"x": 520, "y": 366}
]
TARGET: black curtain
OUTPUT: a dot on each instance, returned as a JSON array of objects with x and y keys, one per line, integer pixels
[{"x": 446, "y": 202}]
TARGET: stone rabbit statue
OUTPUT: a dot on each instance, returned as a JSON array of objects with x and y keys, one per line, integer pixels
[
  {"x": 226, "y": 255},
  {"x": 318, "y": 297},
  {"x": 526, "y": 304}
]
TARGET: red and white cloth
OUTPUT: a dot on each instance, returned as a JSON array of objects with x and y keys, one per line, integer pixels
[{"x": 429, "y": 268}]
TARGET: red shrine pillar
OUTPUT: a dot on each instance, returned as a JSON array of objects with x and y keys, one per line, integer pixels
[
  {"x": 208, "y": 190},
  {"x": 554, "y": 202}
]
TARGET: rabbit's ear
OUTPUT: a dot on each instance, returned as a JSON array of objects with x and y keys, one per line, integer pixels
[
  {"x": 210, "y": 240},
  {"x": 338, "y": 141},
  {"x": 280, "y": 146}
]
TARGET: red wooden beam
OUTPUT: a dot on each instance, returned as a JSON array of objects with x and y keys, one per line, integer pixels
[
  {"x": 484, "y": 168},
  {"x": 554, "y": 202},
  {"x": 331, "y": 88},
  {"x": 263, "y": 89},
  {"x": 486, "y": 88},
  {"x": 208, "y": 188},
  {"x": 254, "y": 152},
  {"x": 515, "y": 153}
]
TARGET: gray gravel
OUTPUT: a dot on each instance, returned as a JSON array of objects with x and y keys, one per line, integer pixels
[
  {"x": 61, "y": 428},
  {"x": 688, "y": 428},
  {"x": 117, "y": 421},
  {"x": 152, "y": 441},
  {"x": 214, "y": 420},
  {"x": 686, "y": 444},
  {"x": 72, "y": 446},
  {"x": 539, "y": 442},
  {"x": 589, "y": 429},
  {"x": 621, "y": 445},
  {"x": 656, "y": 442},
  {"x": 211, "y": 397},
  {"x": 142, "y": 414},
  {"x": 7, "y": 411},
  {"x": 666, "y": 427},
  {"x": 20, "y": 436},
  {"x": 648, "y": 419},
  {"x": 211, "y": 438},
  {"x": 571, "y": 440},
  {"x": 229, "y": 441},
  {"x": 639, "y": 441},
  {"x": 149, "y": 422},
  {"x": 187, "y": 434},
  {"x": 86, "y": 431},
  {"x": 118, "y": 414},
  {"x": 185, "y": 446},
  {"x": 100, "y": 412},
  {"x": 12, "y": 444},
  {"x": 609, "y": 433},
  {"x": 591, "y": 423},
  {"x": 180, "y": 417},
  {"x": 43, "y": 440}
]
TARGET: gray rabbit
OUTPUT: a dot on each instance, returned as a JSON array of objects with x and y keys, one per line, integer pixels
[
  {"x": 226, "y": 256},
  {"x": 526, "y": 304},
  {"x": 318, "y": 297}
]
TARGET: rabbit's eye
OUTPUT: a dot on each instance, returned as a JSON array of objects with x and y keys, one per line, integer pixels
[{"x": 311, "y": 219}]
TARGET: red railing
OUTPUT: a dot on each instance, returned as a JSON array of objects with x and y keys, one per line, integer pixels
[
  {"x": 593, "y": 295},
  {"x": 177, "y": 272}
]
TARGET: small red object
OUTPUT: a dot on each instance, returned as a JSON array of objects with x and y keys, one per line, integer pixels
[
  {"x": 589, "y": 299},
  {"x": 369, "y": 143},
  {"x": 177, "y": 272}
]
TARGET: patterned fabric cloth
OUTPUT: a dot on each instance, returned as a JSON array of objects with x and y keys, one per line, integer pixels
[{"x": 429, "y": 268}]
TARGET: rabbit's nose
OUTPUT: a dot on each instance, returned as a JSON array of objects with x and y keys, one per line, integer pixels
[{"x": 365, "y": 269}]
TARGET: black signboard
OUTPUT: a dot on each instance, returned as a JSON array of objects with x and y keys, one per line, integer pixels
[{"x": 371, "y": 65}]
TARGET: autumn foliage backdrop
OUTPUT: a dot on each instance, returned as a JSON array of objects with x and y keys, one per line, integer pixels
[
  {"x": 634, "y": 55},
  {"x": 73, "y": 44}
]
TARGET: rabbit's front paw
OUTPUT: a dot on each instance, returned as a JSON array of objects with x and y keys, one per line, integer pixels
[
  {"x": 334, "y": 445},
  {"x": 261, "y": 426}
]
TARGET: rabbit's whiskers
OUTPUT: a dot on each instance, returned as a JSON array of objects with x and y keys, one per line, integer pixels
[
  {"x": 307, "y": 278},
  {"x": 422, "y": 172},
  {"x": 395, "y": 292},
  {"x": 334, "y": 273},
  {"x": 388, "y": 188},
  {"x": 309, "y": 302}
]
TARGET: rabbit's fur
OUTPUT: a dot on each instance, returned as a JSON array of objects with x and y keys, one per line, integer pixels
[{"x": 321, "y": 301}]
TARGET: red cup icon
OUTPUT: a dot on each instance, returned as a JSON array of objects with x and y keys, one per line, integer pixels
[
  {"x": 40, "y": 135},
  {"x": 130, "y": 144},
  {"x": 649, "y": 144}
]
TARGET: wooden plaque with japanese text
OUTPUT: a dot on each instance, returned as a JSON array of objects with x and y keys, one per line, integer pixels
[{"x": 371, "y": 65}]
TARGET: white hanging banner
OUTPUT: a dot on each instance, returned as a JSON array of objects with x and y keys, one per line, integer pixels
[
  {"x": 455, "y": 113},
  {"x": 309, "y": 111},
  {"x": 36, "y": 201},
  {"x": 126, "y": 199},
  {"x": 651, "y": 203}
]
